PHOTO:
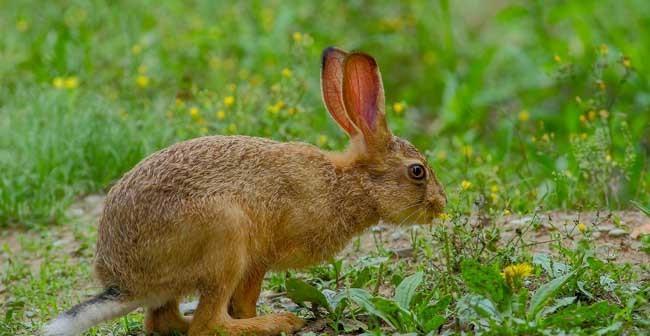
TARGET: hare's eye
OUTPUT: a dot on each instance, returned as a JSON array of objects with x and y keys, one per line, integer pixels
[{"x": 417, "y": 171}]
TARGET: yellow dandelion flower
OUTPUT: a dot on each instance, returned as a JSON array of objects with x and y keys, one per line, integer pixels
[
  {"x": 194, "y": 111},
  {"x": 322, "y": 140},
  {"x": 136, "y": 49},
  {"x": 626, "y": 62},
  {"x": 71, "y": 83},
  {"x": 517, "y": 271},
  {"x": 592, "y": 115},
  {"x": 287, "y": 73},
  {"x": 557, "y": 59},
  {"x": 524, "y": 116},
  {"x": 221, "y": 115},
  {"x": 229, "y": 101},
  {"x": 494, "y": 188},
  {"x": 604, "y": 49},
  {"x": 142, "y": 81},
  {"x": 399, "y": 107},
  {"x": 297, "y": 37},
  {"x": 467, "y": 150},
  {"x": 58, "y": 82},
  {"x": 465, "y": 184},
  {"x": 22, "y": 25},
  {"x": 582, "y": 227}
]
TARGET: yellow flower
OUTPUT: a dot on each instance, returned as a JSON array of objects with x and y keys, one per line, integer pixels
[
  {"x": 297, "y": 37},
  {"x": 287, "y": 73},
  {"x": 22, "y": 25},
  {"x": 592, "y": 115},
  {"x": 517, "y": 271},
  {"x": 322, "y": 140},
  {"x": 136, "y": 49},
  {"x": 582, "y": 227},
  {"x": 221, "y": 115},
  {"x": 444, "y": 216},
  {"x": 626, "y": 62},
  {"x": 229, "y": 101},
  {"x": 465, "y": 184},
  {"x": 604, "y": 50},
  {"x": 494, "y": 188},
  {"x": 71, "y": 83},
  {"x": 142, "y": 81},
  {"x": 399, "y": 107},
  {"x": 467, "y": 150},
  {"x": 194, "y": 111},
  {"x": 557, "y": 59},
  {"x": 58, "y": 82},
  {"x": 524, "y": 116}
]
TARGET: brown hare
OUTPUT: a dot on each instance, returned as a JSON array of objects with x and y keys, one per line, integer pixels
[{"x": 212, "y": 215}]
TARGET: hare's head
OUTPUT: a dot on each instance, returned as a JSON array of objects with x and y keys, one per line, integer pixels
[{"x": 395, "y": 174}]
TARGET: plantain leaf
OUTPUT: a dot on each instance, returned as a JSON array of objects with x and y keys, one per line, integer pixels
[{"x": 406, "y": 290}]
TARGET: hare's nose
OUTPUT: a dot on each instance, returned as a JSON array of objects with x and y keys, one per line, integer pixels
[{"x": 439, "y": 202}]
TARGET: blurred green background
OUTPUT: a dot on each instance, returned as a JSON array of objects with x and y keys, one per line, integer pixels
[{"x": 518, "y": 104}]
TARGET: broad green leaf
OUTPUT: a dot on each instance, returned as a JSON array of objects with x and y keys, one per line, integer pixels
[
  {"x": 406, "y": 290},
  {"x": 559, "y": 303},
  {"x": 546, "y": 292},
  {"x": 300, "y": 292},
  {"x": 552, "y": 268}
]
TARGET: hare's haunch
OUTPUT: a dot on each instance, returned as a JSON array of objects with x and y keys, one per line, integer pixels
[{"x": 212, "y": 215}]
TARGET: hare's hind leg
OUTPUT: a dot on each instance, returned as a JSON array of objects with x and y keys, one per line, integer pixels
[
  {"x": 244, "y": 299},
  {"x": 211, "y": 319},
  {"x": 166, "y": 319}
]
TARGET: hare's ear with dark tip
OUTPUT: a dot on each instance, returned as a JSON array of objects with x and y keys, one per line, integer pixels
[
  {"x": 331, "y": 87},
  {"x": 363, "y": 97}
]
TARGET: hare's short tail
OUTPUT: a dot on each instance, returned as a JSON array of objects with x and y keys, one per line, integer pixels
[{"x": 102, "y": 307}]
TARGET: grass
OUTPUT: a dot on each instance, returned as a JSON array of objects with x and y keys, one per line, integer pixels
[{"x": 520, "y": 107}]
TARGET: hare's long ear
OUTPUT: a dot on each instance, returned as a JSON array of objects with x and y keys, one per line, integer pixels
[
  {"x": 363, "y": 97},
  {"x": 331, "y": 81}
]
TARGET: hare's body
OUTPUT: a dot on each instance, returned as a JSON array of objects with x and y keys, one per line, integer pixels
[
  {"x": 212, "y": 215},
  {"x": 188, "y": 208}
]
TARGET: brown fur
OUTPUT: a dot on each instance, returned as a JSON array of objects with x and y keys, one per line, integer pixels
[{"x": 212, "y": 215}]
